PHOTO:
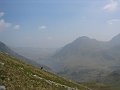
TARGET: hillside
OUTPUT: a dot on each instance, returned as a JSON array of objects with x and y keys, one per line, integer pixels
[
  {"x": 4, "y": 48},
  {"x": 16, "y": 75}
]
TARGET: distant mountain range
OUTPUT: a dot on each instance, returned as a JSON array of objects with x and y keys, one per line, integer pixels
[
  {"x": 16, "y": 74},
  {"x": 4, "y": 48},
  {"x": 84, "y": 59},
  {"x": 87, "y": 59}
]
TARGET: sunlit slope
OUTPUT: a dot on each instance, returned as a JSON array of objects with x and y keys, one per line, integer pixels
[{"x": 16, "y": 75}]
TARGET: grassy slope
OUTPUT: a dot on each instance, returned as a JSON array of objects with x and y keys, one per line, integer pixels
[{"x": 16, "y": 75}]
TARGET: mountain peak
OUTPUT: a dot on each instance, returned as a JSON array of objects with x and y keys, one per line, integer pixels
[{"x": 84, "y": 38}]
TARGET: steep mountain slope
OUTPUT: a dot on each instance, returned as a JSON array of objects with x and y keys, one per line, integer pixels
[
  {"x": 16, "y": 75},
  {"x": 81, "y": 50},
  {"x": 85, "y": 59},
  {"x": 4, "y": 48}
]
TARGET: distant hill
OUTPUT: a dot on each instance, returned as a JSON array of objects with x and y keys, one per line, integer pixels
[
  {"x": 4, "y": 48},
  {"x": 85, "y": 59},
  {"x": 16, "y": 75}
]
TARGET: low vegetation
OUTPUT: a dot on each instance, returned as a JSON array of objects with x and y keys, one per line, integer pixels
[{"x": 16, "y": 75}]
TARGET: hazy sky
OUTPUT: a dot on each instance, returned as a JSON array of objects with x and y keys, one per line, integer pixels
[{"x": 54, "y": 23}]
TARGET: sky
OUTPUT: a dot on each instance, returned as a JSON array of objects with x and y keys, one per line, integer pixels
[{"x": 55, "y": 23}]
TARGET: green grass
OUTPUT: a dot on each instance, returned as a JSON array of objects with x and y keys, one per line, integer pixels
[{"x": 16, "y": 75}]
